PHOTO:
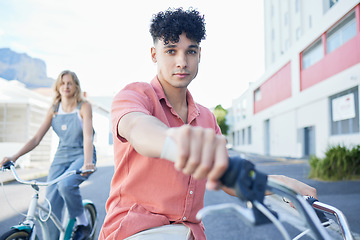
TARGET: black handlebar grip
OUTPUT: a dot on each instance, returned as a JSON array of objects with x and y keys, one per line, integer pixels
[
  {"x": 231, "y": 175},
  {"x": 8, "y": 165},
  {"x": 248, "y": 183}
]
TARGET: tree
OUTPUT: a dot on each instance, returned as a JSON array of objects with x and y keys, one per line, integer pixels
[{"x": 220, "y": 114}]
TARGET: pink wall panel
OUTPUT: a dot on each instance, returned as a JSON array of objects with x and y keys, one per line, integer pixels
[{"x": 276, "y": 89}]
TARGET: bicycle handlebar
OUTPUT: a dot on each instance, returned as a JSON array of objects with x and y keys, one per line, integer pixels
[
  {"x": 10, "y": 166},
  {"x": 344, "y": 226},
  {"x": 250, "y": 185}
]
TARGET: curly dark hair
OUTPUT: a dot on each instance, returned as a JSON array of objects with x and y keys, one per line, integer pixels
[{"x": 169, "y": 25}]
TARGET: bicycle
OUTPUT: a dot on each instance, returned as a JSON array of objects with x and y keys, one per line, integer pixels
[
  {"x": 307, "y": 215},
  {"x": 37, "y": 213}
]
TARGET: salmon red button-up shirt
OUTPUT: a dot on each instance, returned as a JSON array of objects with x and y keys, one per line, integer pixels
[{"x": 150, "y": 192}]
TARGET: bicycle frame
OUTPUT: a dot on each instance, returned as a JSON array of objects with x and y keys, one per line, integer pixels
[{"x": 29, "y": 225}]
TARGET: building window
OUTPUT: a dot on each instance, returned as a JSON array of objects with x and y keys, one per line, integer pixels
[
  {"x": 238, "y": 138},
  {"x": 328, "y": 4},
  {"x": 298, "y": 33},
  {"x": 297, "y": 6},
  {"x": 243, "y": 108},
  {"x": 257, "y": 95},
  {"x": 286, "y": 19},
  {"x": 238, "y": 112},
  {"x": 249, "y": 135},
  {"x": 243, "y": 136},
  {"x": 332, "y": 3},
  {"x": 287, "y": 44},
  {"x": 233, "y": 138},
  {"x": 272, "y": 57},
  {"x": 341, "y": 33},
  {"x": 344, "y": 110},
  {"x": 313, "y": 54}
]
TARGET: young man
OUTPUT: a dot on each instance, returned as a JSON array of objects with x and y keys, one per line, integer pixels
[{"x": 151, "y": 197}]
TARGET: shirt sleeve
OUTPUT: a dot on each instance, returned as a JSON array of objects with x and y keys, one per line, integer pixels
[
  {"x": 132, "y": 98},
  {"x": 217, "y": 128}
]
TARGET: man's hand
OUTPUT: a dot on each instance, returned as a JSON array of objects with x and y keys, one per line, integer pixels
[{"x": 200, "y": 152}]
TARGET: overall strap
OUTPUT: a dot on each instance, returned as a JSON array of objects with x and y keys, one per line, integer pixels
[
  {"x": 79, "y": 105},
  {"x": 55, "y": 107}
]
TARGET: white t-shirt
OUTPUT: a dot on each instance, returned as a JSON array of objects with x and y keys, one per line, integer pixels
[{"x": 61, "y": 111}]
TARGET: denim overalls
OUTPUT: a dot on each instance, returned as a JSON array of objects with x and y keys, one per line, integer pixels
[{"x": 69, "y": 156}]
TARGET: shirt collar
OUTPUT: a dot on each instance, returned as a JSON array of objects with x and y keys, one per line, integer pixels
[{"x": 193, "y": 109}]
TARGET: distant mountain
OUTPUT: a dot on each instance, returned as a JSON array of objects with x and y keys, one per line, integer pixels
[{"x": 25, "y": 69}]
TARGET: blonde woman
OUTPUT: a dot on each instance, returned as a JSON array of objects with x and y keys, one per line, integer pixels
[{"x": 70, "y": 116}]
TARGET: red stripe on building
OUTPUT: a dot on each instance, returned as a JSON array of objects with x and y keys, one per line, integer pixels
[{"x": 274, "y": 90}]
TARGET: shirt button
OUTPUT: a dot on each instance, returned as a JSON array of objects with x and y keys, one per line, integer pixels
[
  {"x": 184, "y": 218},
  {"x": 191, "y": 192}
]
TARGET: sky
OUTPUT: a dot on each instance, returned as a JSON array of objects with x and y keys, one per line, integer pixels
[{"x": 107, "y": 43}]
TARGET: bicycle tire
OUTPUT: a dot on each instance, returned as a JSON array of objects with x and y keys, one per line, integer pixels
[
  {"x": 16, "y": 234},
  {"x": 91, "y": 215}
]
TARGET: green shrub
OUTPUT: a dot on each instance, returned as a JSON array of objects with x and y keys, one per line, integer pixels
[{"x": 339, "y": 163}]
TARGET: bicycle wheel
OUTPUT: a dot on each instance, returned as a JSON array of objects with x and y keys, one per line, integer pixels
[
  {"x": 91, "y": 215},
  {"x": 16, "y": 234}
]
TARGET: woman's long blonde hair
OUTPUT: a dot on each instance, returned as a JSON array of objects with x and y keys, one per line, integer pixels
[{"x": 78, "y": 94}]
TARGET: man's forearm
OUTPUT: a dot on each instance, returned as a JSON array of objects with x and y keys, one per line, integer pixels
[{"x": 145, "y": 133}]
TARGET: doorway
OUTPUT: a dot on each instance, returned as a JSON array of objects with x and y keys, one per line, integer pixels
[
  {"x": 309, "y": 141},
  {"x": 267, "y": 137}
]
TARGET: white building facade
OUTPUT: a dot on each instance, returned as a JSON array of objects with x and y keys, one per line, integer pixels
[{"x": 308, "y": 98}]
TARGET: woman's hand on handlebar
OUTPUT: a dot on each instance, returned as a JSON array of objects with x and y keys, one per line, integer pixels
[
  {"x": 200, "y": 152},
  {"x": 88, "y": 169},
  {"x": 6, "y": 159}
]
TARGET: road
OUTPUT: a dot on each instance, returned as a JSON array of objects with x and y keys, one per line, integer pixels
[{"x": 225, "y": 225}]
